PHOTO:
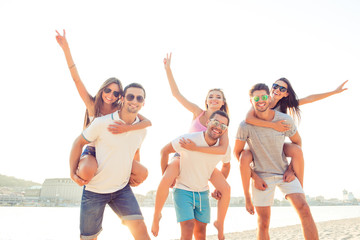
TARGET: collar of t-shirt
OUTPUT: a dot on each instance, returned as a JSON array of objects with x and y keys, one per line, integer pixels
[{"x": 116, "y": 116}]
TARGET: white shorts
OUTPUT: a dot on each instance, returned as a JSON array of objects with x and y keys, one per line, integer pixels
[{"x": 266, "y": 198}]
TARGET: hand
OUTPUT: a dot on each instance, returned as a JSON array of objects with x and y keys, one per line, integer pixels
[
  {"x": 289, "y": 175},
  {"x": 249, "y": 206},
  {"x": 167, "y": 61},
  {"x": 79, "y": 181},
  {"x": 61, "y": 40},
  {"x": 216, "y": 194},
  {"x": 173, "y": 183},
  {"x": 341, "y": 87},
  {"x": 259, "y": 183},
  {"x": 118, "y": 127},
  {"x": 133, "y": 182},
  {"x": 281, "y": 126},
  {"x": 187, "y": 144}
]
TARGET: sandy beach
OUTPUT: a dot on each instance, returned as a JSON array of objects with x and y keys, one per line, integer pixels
[{"x": 334, "y": 230}]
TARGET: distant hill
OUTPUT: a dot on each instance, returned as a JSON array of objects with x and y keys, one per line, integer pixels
[{"x": 6, "y": 181}]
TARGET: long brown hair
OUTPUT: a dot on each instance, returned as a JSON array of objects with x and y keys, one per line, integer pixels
[
  {"x": 289, "y": 103},
  {"x": 98, "y": 101},
  {"x": 224, "y": 107}
]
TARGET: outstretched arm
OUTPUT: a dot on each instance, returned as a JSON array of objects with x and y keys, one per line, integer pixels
[
  {"x": 196, "y": 110},
  {"x": 280, "y": 126},
  {"x": 120, "y": 127},
  {"x": 218, "y": 150},
  {"x": 317, "y": 97},
  {"x": 84, "y": 94}
]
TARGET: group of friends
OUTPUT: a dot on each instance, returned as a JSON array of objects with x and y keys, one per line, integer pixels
[{"x": 110, "y": 164}]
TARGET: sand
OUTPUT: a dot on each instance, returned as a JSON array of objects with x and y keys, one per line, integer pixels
[{"x": 334, "y": 230}]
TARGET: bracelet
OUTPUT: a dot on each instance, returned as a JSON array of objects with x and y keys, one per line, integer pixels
[{"x": 72, "y": 66}]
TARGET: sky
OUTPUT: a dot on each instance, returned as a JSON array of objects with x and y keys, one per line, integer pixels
[{"x": 230, "y": 45}]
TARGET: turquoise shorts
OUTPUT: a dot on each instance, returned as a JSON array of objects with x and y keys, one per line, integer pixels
[{"x": 191, "y": 205}]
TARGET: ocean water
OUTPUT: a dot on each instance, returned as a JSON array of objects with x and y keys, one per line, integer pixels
[{"x": 63, "y": 223}]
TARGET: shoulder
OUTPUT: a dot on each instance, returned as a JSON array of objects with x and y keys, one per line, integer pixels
[{"x": 282, "y": 116}]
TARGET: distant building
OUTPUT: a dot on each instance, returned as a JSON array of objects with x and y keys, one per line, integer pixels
[{"x": 61, "y": 189}]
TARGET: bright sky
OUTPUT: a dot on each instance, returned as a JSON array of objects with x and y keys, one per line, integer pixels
[{"x": 226, "y": 44}]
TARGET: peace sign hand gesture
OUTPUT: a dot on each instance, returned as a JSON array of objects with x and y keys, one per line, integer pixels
[
  {"x": 62, "y": 40},
  {"x": 167, "y": 61}
]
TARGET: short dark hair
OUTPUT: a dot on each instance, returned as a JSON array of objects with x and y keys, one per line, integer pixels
[
  {"x": 221, "y": 113},
  {"x": 258, "y": 87},
  {"x": 134, "y": 85}
]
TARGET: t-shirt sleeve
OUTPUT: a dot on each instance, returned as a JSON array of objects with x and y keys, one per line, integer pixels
[
  {"x": 227, "y": 156},
  {"x": 242, "y": 133},
  {"x": 292, "y": 129},
  {"x": 91, "y": 133}
]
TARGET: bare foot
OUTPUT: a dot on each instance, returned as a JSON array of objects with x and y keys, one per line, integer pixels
[
  {"x": 220, "y": 228},
  {"x": 249, "y": 206},
  {"x": 155, "y": 225}
]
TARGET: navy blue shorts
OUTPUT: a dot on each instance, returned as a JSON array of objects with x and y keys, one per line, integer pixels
[
  {"x": 89, "y": 150},
  {"x": 122, "y": 202}
]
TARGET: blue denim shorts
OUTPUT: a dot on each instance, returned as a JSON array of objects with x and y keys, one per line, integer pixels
[
  {"x": 191, "y": 205},
  {"x": 89, "y": 150},
  {"x": 122, "y": 202}
]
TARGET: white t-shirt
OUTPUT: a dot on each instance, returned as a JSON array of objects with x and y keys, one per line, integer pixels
[
  {"x": 114, "y": 153},
  {"x": 196, "y": 167}
]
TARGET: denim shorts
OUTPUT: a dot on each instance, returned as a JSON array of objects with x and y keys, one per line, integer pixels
[
  {"x": 191, "y": 205},
  {"x": 89, "y": 150},
  {"x": 122, "y": 202}
]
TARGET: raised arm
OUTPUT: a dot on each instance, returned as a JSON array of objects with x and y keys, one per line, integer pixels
[
  {"x": 196, "y": 110},
  {"x": 165, "y": 151},
  {"x": 218, "y": 150},
  {"x": 251, "y": 118},
  {"x": 84, "y": 94},
  {"x": 120, "y": 127},
  {"x": 317, "y": 97}
]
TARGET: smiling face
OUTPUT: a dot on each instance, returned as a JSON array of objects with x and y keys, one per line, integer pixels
[
  {"x": 111, "y": 93},
  {"x": 277, "y": 94},
  {"x": 260, "y": 100},
  {"x": 217, "y": 126},
  {"x": 133, "y": 100},
  {"x": 215, "y": 100}
]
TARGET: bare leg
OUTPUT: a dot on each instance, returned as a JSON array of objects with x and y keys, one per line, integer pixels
[
  {"x": 138, "y": 172},
  {"x": 171, "y": 173},
  {"x": 263, "y": 222},
  {"x": 87, "y": 167},
  {"x": 297, "y": 160},
  {"x": 200, "y": 230},
  {"x": 245, "y": 171},
  {"x": 307, "y": 222},
  {"x": 137, "y": 229},
  {"x": 219, "y": 182},
  {"x": 187, "y": 229}
]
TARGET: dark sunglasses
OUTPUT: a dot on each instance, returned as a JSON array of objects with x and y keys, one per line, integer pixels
[
  {"x": 276, "y": 86},
  {"x": 115, "y": 93},
  {"x": 131, "y": 97},
  {"x": 216, "y": 123},
  {"x": 263, "y": 97}
]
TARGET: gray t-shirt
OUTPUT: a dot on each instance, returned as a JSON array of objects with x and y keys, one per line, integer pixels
[{"x": 266, "y": 145}]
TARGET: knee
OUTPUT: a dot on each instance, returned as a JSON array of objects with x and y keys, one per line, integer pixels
[
  {"x": 293, "y": 150},
  {"x": 304, "y": 209},
  {"x": 264, "y": 223},
  {"x": 245, "y": 158}
]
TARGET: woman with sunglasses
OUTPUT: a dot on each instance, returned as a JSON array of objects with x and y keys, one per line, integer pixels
[
  {"x": 106, "y": 101},
  {"x": 283, "y": 99},
  {"x": 215, "y": 100}
]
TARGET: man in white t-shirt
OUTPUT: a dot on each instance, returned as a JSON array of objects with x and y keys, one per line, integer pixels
[
  {"x": 191, "y": 190},
  {"x": 115, "y": 154}
]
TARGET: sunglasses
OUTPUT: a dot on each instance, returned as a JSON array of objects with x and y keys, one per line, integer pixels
[
  {"x": 131, "y": 97},
  {"x": 263, "y": 97},
  {"x": 115, "y": 93},
  {"x": 276, "y": 86},
  {"x": 216, "y": 123}
]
